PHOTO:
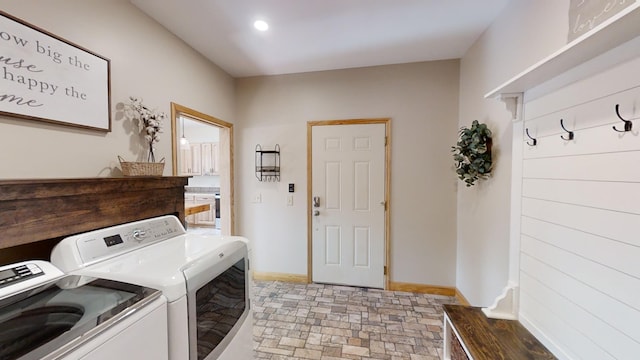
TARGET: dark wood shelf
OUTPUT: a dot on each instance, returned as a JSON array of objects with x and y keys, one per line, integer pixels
[{"x": 35, "y": 210}]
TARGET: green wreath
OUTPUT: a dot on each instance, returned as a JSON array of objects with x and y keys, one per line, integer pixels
[{"x": 472, "y": 153}]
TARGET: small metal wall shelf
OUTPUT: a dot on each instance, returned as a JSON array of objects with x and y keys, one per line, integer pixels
[{"x": 268, "y": 164}]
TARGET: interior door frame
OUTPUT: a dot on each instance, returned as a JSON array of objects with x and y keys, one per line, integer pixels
[
  {"x": 176, "y": 110},
  {"x": 387, "y": 188}
]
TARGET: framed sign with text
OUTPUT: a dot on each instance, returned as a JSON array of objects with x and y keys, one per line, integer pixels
[{"x": 45, "y": 77}]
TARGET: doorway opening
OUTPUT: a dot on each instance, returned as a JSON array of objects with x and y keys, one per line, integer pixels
[{"x": 202, "y": 148}]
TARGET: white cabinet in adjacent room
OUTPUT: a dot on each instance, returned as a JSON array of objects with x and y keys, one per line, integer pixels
[
  {"x": 191, "y": 160},
  {"x": 190, "y": 200},
  {"x": 206, "y": 217},
  {"x": 210, "y": 158},
  {"x": 200, "y": 159}
]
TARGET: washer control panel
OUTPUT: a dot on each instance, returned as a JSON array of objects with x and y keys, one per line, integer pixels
[
  {"x": 23, "y": 275},
  {"x": 12, "y": 275},
  {"x": 105, "y": 243}
]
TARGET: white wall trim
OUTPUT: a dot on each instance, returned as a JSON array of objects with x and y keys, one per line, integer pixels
[
  {"x": 506, "y": 305},
  {"x": 513, "y": 101}
]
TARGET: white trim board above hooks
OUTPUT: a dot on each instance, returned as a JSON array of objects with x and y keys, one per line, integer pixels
[{"x": 583, "y": 56}]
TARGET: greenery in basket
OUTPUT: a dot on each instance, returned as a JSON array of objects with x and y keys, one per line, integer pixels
[
  {"x": 150, "y": 124},
  {"x": 472, "y": 153}
]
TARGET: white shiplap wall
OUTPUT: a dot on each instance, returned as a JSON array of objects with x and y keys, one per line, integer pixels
[{"x": 580, "y": 224}]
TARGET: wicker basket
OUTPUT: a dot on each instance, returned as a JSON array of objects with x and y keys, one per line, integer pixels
[{"x": 130, "y": 168}]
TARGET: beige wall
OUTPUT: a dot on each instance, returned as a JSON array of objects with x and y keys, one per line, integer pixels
[
  {"x": 149, "y": 62},
  {"x": 526, "y": 32},
  {"x": 146, "y": 61},
  {"x": 422, "y": 101}
]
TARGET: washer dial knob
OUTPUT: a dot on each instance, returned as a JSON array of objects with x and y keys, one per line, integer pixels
[{"x": 139, "y": 234}]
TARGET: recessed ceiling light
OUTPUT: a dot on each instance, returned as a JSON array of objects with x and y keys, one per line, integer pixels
[{"x": 261, "y": 25}]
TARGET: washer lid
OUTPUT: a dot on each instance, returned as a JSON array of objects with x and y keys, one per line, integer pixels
[{"x": 38, "y": 321}]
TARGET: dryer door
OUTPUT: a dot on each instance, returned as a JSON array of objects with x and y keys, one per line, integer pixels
[{"x": 217, "y": 293}]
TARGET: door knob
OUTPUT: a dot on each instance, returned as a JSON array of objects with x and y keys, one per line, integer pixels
[{"x": 316, "y": 212}]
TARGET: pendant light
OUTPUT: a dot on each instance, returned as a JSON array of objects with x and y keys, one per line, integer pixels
[{"x": 184, "y": 143}]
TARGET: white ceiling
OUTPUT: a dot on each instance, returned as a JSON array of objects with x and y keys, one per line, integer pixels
[{"x": 314, "y": 35}]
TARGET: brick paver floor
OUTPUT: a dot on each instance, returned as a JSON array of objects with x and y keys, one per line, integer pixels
[{"x": 328, "y": 322}]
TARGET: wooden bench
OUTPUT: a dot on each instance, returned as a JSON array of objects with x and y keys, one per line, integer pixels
[{"x": 470, "y": 335}]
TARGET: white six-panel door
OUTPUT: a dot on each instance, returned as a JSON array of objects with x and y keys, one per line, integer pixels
[{"x": 348, "y": 225}]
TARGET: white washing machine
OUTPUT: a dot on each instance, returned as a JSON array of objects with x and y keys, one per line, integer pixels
[
  {"x": 204, "y": 278},
  {"x": 47, "y": 315}
]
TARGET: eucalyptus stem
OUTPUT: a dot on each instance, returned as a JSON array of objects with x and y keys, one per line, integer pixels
[{"x": 151, "y": 157}]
